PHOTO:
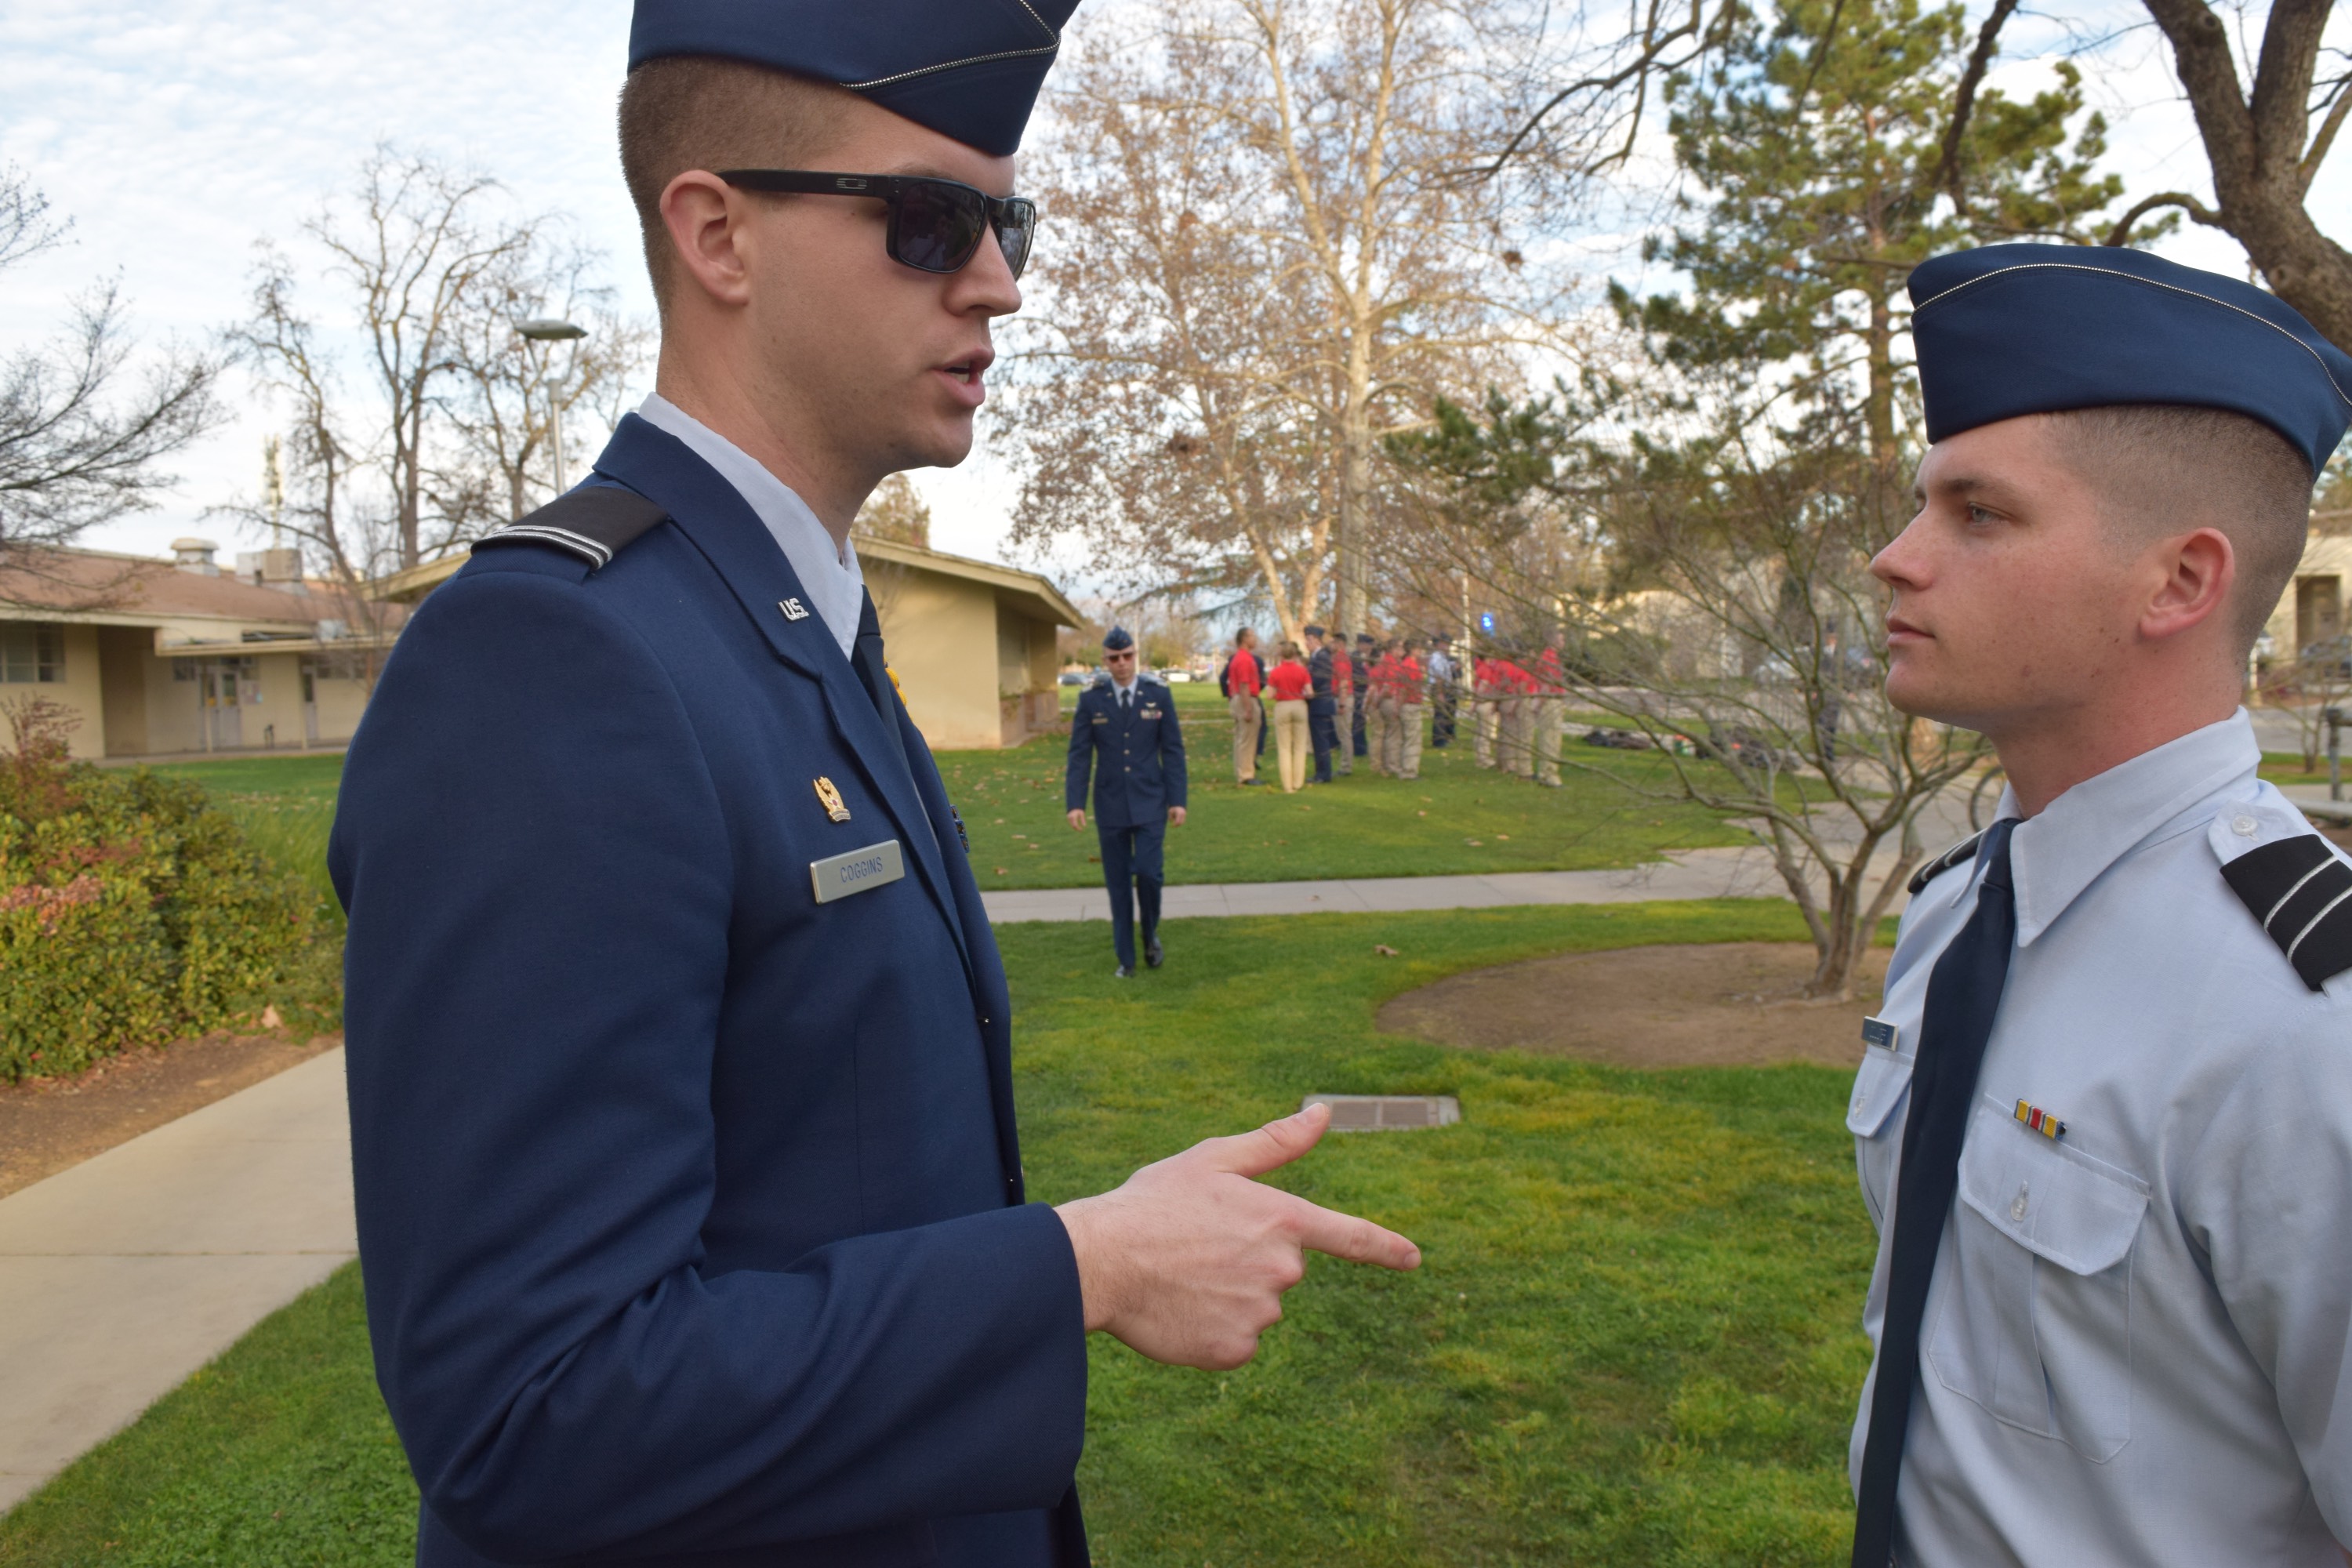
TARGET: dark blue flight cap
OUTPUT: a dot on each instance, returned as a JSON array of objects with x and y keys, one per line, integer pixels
[
  {"x": 1119, "y": 637},
  {"x": 966, "y": 69},
  {"x": 2009, "y": 330}
]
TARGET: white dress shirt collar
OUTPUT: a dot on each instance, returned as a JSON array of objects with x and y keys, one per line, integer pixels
[
  {"x": 829, "y": 574},
  {"x": 2059, "y": 853}
]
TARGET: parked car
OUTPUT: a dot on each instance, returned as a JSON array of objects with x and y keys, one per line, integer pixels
[
  {"x": 2333, "y": 656},
  {"x": 1175, "y": 676}
]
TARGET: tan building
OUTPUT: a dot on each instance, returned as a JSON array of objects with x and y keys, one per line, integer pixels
[
  {"x": 161, "y": 658},
  {"x": 2312, "y": 609},
  {"x": 970, "y": 642}
]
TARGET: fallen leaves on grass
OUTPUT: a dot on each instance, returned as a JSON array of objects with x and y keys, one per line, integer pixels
[
  {"x": 1005, "y": 871},
  {"x": 1385, "y": 950}
]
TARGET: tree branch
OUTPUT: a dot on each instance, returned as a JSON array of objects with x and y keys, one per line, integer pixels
[
  {"x": 2197, "y": 211},
  {"x": 1964, "y": 104}
]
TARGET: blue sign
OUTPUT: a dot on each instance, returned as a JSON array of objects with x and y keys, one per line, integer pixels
[{"x": 1486, "y": 620}]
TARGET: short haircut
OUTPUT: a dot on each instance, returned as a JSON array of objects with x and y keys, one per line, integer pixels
[
  {"x": 1242, "y": 635},
  {"x": 2165, "y": 468},
  {"x": 705, "y": 111},
  {"x": 1291, "y": 651}
]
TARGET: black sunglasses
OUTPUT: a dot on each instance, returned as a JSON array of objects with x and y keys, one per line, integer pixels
[{"x": 935, "y": 225}]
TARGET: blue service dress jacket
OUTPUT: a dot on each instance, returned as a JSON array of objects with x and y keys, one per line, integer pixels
[
  {"x": 1136, "y": 752},
  {"x": 690, "y": 1207}
]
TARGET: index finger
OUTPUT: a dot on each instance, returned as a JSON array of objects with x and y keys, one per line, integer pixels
[{"x": 1353, "y": 1238}]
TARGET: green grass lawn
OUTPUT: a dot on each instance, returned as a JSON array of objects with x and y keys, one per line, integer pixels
[
  {"x": 1635, "y": 1340},
  {"x": 286, "y": 806},
  {"x": 1457, "y": 818}
]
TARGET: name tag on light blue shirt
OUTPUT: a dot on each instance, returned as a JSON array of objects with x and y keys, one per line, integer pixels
[{"x": 857, "y": 871}]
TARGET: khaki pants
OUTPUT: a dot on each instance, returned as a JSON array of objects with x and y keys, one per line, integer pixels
[
  {"x": 1290, "y": 743},
  {"x": 1377, "y": 716},
  {"x": 1489, "y": 713},
  {"x": 1549, "y": 711},
  {"x": 1408, "y": 731},
  {"x": 1248, "y": 716},
  {"x": 1343, "y": 719},
  {"x": 1511, "y": 747}
]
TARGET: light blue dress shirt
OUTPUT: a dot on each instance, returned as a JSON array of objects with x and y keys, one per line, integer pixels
[{"x": 2138, "y": 1348}]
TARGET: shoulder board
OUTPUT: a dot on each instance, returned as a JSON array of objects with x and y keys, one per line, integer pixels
[
  {"x": 1152, "y": 680},
  {"x": 594, "y": 522},
  {"x": 1102, "y": 683},
  {"x": 2302, "y": 892},
  {"x": 1959, "y": 854}
]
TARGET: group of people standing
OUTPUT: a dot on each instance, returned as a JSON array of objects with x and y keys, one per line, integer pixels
[
  {"x": 1518, "y": 709},
  {"x": 1336, "y": 704}
]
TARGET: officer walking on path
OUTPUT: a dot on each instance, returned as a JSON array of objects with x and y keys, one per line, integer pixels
[
  {"x": 1126, "y": 732},
  {"x": 687, "y": 1175},
  {"x": 2104, "y": 1119}
]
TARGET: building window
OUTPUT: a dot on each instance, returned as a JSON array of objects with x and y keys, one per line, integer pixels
[{"x": 30, "y": 654}]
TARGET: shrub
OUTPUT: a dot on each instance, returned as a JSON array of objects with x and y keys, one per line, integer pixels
[{"x": 132, "y": 910}]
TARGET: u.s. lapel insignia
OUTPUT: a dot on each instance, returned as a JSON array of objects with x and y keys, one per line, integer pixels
[
  {"x": 794, "y": 611},
  {"x": 830, "y": 798}
]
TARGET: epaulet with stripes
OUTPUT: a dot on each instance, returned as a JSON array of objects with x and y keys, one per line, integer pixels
[
  {"x": 594, "y": 522},
  {"x": 1959, "y": 854},
  {"x": 2302, "y": 892}
]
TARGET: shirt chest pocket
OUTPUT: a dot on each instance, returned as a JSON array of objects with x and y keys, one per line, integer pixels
[
  {"x": 1879, "y": 1087},
  {"x": 2035, "y": 1321}
]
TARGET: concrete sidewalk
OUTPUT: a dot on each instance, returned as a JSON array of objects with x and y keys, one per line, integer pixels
[
  {"x": 1729, "y": 873},
  {"x": 123, "y": 1275}
]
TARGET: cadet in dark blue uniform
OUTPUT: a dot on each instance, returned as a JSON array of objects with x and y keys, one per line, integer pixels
[
  {"x": 1322, "y": 705},
  {"x": 1126, "y": 731},
  {"x": 688, "y": 1186}
]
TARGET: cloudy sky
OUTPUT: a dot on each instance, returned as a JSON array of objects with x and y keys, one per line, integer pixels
[{"x": 176, "y": 134}]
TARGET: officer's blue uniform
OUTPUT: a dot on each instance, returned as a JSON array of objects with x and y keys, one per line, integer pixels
[
  {"x": 690, "y": 1207},
  {"x": 1136, "y": 751},
  {"x": 1322, "y": 709}
]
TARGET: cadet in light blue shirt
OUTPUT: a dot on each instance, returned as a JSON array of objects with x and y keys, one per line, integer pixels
[{"x": 2105, "y": 1120}]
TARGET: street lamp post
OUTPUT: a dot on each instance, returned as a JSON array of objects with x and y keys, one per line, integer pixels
[{"x": 548, "y": 330}]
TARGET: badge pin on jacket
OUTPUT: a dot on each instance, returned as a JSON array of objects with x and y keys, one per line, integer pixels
[{"x": 829, "y": 797}]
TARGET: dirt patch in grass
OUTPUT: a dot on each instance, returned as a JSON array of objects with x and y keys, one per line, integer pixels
[
  {"x": 1711, "y": 1005},
  {"x": 49, "y": 1123}
]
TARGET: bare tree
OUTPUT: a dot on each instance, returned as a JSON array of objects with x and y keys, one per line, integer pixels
[
  {"x": 418, "y": 257},
  {"x": 1271, "y": 263},
  {"x": 77, "y": 444},
  {"x": 497, "y": 402},
  {"x": 1713, "y": 595}
]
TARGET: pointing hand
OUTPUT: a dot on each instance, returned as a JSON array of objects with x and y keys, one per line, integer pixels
[{"x": 1187, "y": 1261}]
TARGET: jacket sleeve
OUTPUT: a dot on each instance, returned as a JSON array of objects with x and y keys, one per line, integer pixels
[
  {"x": 1082, "y": 753},
  {"x": 540, "y": 892},
  {"x": 1171, "y": 753}
]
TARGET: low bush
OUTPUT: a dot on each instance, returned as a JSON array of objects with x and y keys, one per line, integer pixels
[{"x": 132, "y": 910}]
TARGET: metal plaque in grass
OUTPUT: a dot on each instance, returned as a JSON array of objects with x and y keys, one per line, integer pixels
[{"x": 1387, "y": 1112}]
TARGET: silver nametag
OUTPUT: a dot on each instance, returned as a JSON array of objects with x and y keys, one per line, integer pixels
[
  {"x": 856, "y": 872},
  {"x": 1879, "y": 1033}
]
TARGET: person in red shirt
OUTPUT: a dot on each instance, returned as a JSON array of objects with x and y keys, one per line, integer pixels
[
  {"x": 1409, "y": 689},
  {"x": 1514, "y": 748},
  {"x": 1380, "y": 717},
  {"x": 1549, "y": 706},
  {"x": 1487, "y": 702},
  {"x": 1244, "y": 677},
  {"x": 1291, "y": 683},
  {"x": 1343, "y": 704}
]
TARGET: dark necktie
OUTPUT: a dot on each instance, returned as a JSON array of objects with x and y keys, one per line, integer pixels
[
  {"x": 1963, "y": 997},
  {"x": 874, "y": 674}
]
